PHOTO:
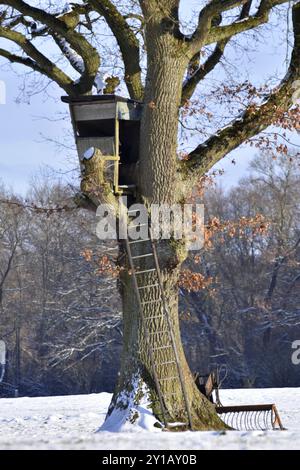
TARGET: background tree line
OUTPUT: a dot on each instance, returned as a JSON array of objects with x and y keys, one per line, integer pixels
[{"x": 61, "y": 319}]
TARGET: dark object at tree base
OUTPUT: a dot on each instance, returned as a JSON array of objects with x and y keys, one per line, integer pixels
[
  {"x": 240, "y": 417},
  {"x": 251, "y": 417}
]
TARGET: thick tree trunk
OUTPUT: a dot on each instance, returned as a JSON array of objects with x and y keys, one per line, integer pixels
[
  {"x": 159, "y": 180},
  {"x": 158, "y": 183},
  {"x": 136, "y": 377}
]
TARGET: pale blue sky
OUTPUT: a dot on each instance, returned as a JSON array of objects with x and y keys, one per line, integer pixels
[{"x": 23, "y": 150}]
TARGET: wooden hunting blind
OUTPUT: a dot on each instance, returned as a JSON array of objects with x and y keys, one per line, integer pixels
[{"x": 111, "y": 125}]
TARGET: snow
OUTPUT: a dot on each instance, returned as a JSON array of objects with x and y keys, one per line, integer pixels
[
  {"x": 100, "y": 82},
  {"x": 89, "y": 153},
  {"x": 75, "y": 59},
  {"x": 66, "y": 9},
  {"x": 72, "y": 422},
  {"x": 242, "y": 20},
  {"x": 120, "y": 420}
]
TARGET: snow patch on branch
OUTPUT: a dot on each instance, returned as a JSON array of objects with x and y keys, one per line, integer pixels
[
  {"x": 100, "y": 82},
  {"x": 75, "y": 59},
  {"x": 35, "y": 29},
  {"x": 78, "y": 64},
  {"x": 66, "y": 9}
]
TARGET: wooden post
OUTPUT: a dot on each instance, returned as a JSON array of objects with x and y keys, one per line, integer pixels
[
  {"x": 117, "y": 161},
  {"x": 98, "y": 174}
]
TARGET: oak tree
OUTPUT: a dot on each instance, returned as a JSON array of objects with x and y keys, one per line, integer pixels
[{"x": 163, "y": 66}]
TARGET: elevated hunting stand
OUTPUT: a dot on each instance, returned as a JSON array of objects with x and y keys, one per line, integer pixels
[{"x": 109, "y": 124}]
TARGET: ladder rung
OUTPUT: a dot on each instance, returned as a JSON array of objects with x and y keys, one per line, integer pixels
[
  {"x": 175, "y": 377},
  {"x": 155, "y": 317},
  {"x": 138, "y": 225},
  {"x": 145, "y": 271},
  {"x": 151, "y": 301},
  {"x": 167, "y": 343},
  {"x": 139, "y": 240},
  {"x": 163, "y": 347},
  {"x": 149, "y": 285},
  {"x": 158, "y": 332},
  {"x": 142, "y": 256},
  {"x": 173, "y": 425}
]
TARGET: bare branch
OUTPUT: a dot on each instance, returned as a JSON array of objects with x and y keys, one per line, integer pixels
[
  {"x": 8, "y": 267},
  {"x": 38, "y": 209},
  {"x": 280, "y": 260},
  {"x": 207, "y": 33},
  {"x": 64, "y": 26},
  {"x": 210, "y": 11},
  {"x": 128, "y": 44},
  {"x": 213, "y": 60},
  {"x": 254, "y": 120},
  {"x": 202, "y": 70},
  {"x": 220, "y": 33},
  {"x": 75, "y": 60},
  {"x": 35, "y": 60},
  {"x": 13, "y": 58}
]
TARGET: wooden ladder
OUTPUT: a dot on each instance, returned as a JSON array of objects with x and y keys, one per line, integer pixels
[{"x": 167, "y": 331}]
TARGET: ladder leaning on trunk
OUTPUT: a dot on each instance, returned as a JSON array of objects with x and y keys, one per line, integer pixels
[{"x": 150, "y": 252}]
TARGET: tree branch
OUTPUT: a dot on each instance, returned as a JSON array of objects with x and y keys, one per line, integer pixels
[
  {"x": 211, "y": 10},
  {"x": 200, "y": 73},
  {"x": 280, "y": 260},
  {"x": 128, "y": 44},
  {"x": 13, "y": 58},
  {"x": 75, "y": 60},
  {"x": 220, "y": 33},
  {"x": 8, "y": 267},
  {"x": 246, "y": 9},
  {"x": 254, "y": 120},
  {"x": 191, "y": 84},
  {"x": 64, "y": 26},
  {"x": 36, "y": 60}
]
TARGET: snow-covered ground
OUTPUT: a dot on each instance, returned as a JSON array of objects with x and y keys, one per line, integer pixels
[{"x": 72, "y": 422}]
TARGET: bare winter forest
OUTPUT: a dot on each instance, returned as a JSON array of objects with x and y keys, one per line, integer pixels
[{"x": 61, "y": 319}]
